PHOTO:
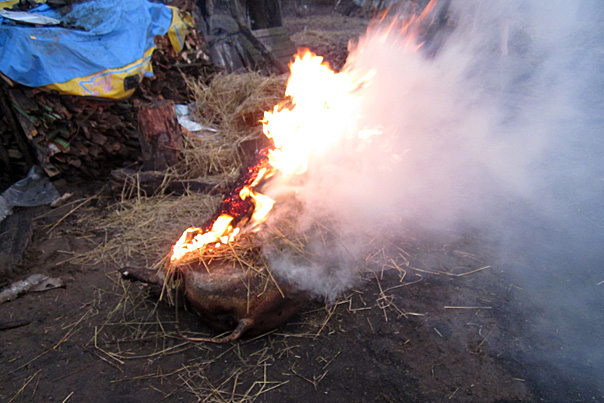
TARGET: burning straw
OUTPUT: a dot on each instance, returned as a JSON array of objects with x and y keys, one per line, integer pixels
[
  {"x": 253, "y": 251},
  {"x": 142, "y": 230}
]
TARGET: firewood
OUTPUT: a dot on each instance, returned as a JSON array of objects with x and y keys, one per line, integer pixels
[
  {"x": 83, "y": 136},
  {"x": 98, "y": 138}
]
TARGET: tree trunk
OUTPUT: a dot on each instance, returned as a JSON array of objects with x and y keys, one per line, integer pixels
[
  {"x": 264, "y": 13},
  {"x": 159, "y": 134}
]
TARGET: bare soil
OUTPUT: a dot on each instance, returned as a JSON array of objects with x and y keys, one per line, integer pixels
[
  {"x": 424, "y": 332},
  {"x": 326, "y": 33},
  {"x": 440, "y": 328}
]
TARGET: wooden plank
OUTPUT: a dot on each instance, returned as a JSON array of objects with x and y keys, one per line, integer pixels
[
  {"x": 266, "y": 53},
  {"x": 284, "y": 50},
  {"x": 284, "y": 55},
  {"x": 272, "y": 43},
  {"x": 279, "y": 54},
  {"x": 276, "y": 40},
  {"x": 278, "y": 45},
  {"x": 273, "y": 38}
]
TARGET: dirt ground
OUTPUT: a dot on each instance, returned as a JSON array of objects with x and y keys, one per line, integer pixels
[
  {"x": 433, "y": 330},
  {"x": 438, "y": 328}
]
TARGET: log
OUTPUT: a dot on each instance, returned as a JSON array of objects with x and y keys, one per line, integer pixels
[
  {"x": 159, "y": 134},
  {"x": 152, "y": 183}
]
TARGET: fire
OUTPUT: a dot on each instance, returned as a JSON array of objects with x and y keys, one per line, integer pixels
[
  {"x": 194, "y": 238},
  {"x": 320, "y": 109},
  {"x": 315, "y": 114}
]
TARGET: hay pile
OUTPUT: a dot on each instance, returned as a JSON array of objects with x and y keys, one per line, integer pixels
[
  {"x": 232, "y": 106},
  {"x": 279, "y": 236}
]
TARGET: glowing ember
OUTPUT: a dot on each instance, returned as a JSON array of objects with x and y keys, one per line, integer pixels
[{"x": 193, "y": 238}]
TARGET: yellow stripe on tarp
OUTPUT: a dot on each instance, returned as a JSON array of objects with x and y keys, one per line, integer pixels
[
  {"x": 181, "y": 22},
  {"x": 107, "y": 83}
]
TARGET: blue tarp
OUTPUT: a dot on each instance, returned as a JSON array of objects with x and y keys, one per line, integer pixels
[{"x": 110, "y": 37}]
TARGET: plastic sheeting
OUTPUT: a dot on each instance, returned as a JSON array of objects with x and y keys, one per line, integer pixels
[
  {"x": 33, "y": 190},
  {"x": 102, "y": 48}
]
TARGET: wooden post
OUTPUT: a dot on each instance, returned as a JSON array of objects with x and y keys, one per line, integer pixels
[
  {"x": 264, "y": 13},
  {"x": 159, "y": 134}
]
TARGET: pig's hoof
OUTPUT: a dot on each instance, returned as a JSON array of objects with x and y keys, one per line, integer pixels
[{"x": 243, "y": 325}]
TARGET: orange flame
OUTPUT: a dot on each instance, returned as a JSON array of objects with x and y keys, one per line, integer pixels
[
  {"x": 321, "y": 108},
  {"x": 315, "y": 114},
  {"x": 193, "y": 238},
  {"x": 312, "y": 118}
]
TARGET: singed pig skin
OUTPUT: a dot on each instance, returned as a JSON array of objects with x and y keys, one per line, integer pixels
[{"x": 226, "y": 295}]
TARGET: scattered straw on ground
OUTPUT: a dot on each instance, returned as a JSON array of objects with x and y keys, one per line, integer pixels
[
  {"x": 137, "y": 330},
  {"x": 141, "y": 231}
]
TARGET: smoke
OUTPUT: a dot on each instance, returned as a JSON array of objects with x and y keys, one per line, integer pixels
[
  {"x": 494, "y": 124},
  {"x": 460, "y": 132}
]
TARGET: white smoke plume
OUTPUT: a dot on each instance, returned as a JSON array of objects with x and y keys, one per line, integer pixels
[
  {"x": 457, "y": 134},
  {"x": 494, "y": 124}
]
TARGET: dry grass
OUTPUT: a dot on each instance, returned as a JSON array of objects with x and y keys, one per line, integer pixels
[
  {"x": 141, "y": 231},
  {"x": 251, "y": 249},
  {"x": 137, "y": 331},
  {"x": 232, "y": 105}
]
